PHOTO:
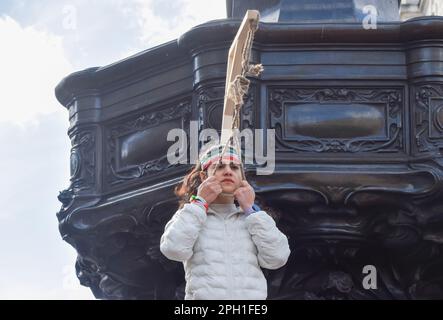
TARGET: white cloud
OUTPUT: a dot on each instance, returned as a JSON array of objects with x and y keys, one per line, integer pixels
[
  {"x": 34, "y": 168},
  {"x": 36, "y": 263},
  {"x": 63, "y": 285},
  {"x": 163, "y": 21},
  {"x": 32, "y": 63}
]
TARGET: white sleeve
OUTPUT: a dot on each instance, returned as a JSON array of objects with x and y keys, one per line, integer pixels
[
  {"x": 181, "y": 232},
  {"x": 272, "y": 244}
]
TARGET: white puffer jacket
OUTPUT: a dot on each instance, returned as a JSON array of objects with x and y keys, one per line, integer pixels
[{"x": 222, "y": 251}]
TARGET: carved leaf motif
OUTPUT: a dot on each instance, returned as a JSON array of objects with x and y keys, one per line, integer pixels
[
  {"x": 391, "y": 98},
  {"x": 142, "y": 122},
  {"x": 426, "y": 116}
]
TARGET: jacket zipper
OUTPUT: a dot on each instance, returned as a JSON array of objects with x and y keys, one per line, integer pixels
[{"x": 228, "y": 262}]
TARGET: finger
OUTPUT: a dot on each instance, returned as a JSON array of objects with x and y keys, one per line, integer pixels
[
  {"x": 218, "y": 190},
  {"x": 215, "y": 186},
  {"x": 245, "y": 183},
  {"x": 214, "y": 183},
  {"x": 207, "y": 181},
  {"x": 239, "y": 191},
  {"x": 211, "y": 179}
]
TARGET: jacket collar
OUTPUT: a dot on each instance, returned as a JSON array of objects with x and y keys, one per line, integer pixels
[{"x": 223, "y": 211}]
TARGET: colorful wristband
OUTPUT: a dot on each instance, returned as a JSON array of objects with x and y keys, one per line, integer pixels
[
  {"x": 249, "y": 211},
  {"x": 200, "y": 204},
  {"x": 199, "y": 201},
  {"x": 252, "y": 209}
]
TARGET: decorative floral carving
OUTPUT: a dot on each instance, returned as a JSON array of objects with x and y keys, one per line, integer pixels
[
  {"x": 428, "y": 107},
  {"x": 391, "y": 98},
  {"x": 210, "y": 101},
  {"x": 83, "y": 161},
  {"x": 142, "y": 122}
]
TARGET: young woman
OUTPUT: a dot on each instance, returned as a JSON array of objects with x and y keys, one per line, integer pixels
[{"x": 222, "y": 246}]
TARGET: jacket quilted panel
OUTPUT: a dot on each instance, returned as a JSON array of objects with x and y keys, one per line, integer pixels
[{"x": 222, "y": 251}]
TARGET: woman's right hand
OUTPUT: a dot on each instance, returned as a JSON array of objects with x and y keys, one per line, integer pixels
[{"x": 209, "y": 189}]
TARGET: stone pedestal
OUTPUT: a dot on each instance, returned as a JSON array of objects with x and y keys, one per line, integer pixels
[
  {"x": 311, "y": 11},
  {"x": 358, "y": 116}
]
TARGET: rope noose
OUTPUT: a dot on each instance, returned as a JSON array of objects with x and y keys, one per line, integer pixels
[{"x": 239, "y": 87}]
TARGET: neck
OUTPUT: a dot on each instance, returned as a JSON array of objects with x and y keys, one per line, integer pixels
[{"x": 224, "y": 198}]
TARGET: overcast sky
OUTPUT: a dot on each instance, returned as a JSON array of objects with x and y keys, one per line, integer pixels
[{"x": 44, "y": 41}]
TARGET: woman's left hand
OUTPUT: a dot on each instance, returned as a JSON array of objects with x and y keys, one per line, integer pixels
[{"x": 245, "y": 195}]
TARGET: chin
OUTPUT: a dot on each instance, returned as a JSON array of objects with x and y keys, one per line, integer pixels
[{"x": 228, "y": 190}]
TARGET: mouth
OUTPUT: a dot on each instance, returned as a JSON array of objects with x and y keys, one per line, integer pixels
[{"x": 227, "y": 180}]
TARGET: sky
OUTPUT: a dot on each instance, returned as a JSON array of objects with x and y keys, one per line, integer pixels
[{"x": 42, "y": 42}]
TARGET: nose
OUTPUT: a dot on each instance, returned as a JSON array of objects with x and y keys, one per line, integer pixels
[{"x": 227, "y": 171}]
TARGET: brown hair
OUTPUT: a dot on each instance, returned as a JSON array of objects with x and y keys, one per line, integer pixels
[{"x": 189, "y": 185}]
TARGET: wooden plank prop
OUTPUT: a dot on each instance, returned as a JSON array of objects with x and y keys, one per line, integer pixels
[{"x": 237, "y": 84}]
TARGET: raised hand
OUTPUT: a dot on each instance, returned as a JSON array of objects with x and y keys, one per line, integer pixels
[
  {"x": 209, "y": 189},
  {"x": 245, "y": 195}
]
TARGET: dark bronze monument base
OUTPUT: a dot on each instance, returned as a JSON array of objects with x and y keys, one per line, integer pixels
[
  {"x": 299, "y": 11},
  {"x": 358, "y": 116}
]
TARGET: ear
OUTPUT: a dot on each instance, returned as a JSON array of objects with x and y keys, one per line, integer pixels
[{"x": 202, "y": 175}]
